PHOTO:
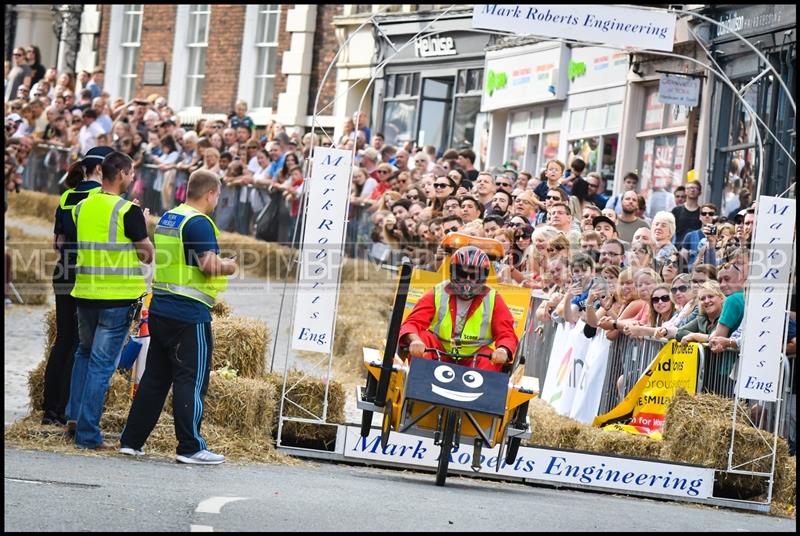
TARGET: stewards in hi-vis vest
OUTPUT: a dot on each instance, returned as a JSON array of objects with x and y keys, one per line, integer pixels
[
  {"x": 189, "y": 276},
  {"x": 112, "y": 243}
]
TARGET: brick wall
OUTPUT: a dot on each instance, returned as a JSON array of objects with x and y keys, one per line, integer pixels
[
  {"x": 325, "y": 47},
  {"x": 223, "y": 58},
  {"x": 284, "y": 43},
  {"x": 102, "y": 43},
  {"x": 158, "y": 37}
]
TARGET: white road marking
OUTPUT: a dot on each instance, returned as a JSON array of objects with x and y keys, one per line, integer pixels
[
  {"x": 24, "y": 481},
  {"x": 215, "y": 504},
  {"x": 200, "y": 528}
]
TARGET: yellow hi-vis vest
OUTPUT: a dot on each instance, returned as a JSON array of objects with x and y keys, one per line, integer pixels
[
  {"x": 477, "y": 331},
  {"x": 107, "y": 264},
  {"x": 72, "y": 197},
  {"x": 173, "y": 275}
]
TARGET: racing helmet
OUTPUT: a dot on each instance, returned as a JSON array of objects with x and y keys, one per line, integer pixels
[{"x": 469, "y": 268}]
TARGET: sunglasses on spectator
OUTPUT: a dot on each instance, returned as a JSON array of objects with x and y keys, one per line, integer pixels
[
  {"x": 449, "y": 230},
  {"x": 682, "y": 289},
  {"x": 503, "y": 184},
  {"x": 708, "y": 213},
  {"x": 663, "y": 299},
  {"x": 553, "y": 198},
  {"x": 670, "y": 262},
  {"x": 441, "y": 185},
  {"x": 522, "y": 236},
  {"x": 592, "y": 184},
  {"x": 382, "y": 171}
]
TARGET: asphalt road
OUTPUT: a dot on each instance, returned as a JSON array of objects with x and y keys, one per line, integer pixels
[{"x": 60, "y": 492}]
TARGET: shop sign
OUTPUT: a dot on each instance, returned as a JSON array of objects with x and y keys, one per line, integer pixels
[
  {"x": 625, "y": 27},
  {"x": 592, "y": 67},
  {"x": 434, "y": 45},
  {"x": 538, "y": 76},
  {"x": 679, "y": 90},
  {"x": 754, "y": 19}
]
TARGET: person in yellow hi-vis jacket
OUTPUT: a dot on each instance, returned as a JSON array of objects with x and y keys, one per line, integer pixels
[
  {"x": 111, "y": 242},
  {"x": 189, "y": 276}
]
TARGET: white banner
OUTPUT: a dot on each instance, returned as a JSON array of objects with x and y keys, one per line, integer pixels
[
  {"x": 590, "y": 386},
  {"x": 526, "y": 77},
  {"x": 544, "y": 465},
  {"x": 624, "y": 27},
  {"x": 679, "y": 90},
  {"x": 768, "y": 289},
  {"x": 321, "y": 257},
  {"x": 565, "y": 367}
]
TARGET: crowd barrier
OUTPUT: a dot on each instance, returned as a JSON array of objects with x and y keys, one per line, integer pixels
[
  {"x": 629, "y": 357},
  {"x": 45, "y": 166}
]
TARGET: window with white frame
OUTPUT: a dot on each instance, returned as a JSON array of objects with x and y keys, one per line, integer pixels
[
  {"x": 197, "y": 42},
  {"x": 130, "y": 44},
  {"x": 594, "y": 136},
  {"x": 266, "y": 55},
  {"x": 533, "y": 137}
]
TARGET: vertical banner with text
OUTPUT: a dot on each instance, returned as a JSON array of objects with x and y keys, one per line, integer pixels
[
  {"x": 322, "y": 253},
  {"x": 765, "y": 309}
]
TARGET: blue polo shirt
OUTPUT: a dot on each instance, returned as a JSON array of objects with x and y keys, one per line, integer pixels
[
  {"x": 198, "y": 237},
  {"x": 732, "y": 311}
]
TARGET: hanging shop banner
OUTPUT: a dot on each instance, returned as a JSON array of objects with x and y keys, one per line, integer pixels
[
  {"x": 643, "y": 409},
  {"x": 321, "y": 256},
  {"x": 679, "y": 90},
  {"x": 768, "y": 288},
  {"x": 624, "y": 27},
  {"x": 585, "y": 470}
]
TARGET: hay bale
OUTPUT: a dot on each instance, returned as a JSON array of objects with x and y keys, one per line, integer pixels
[
  {"x": 118, "y": 395},
  {"x": 242, "y": 343},
  {"x": 308, "y": 393},
  {"x": 33, "y": 261},
  {"x": 49, "y": 330},
  {"x": 221, "y": 309},
  {"x": 616, "y": 442},
  {"x": 30, "y": 203},
  {"x": 244, "y": 406},
  {"x": 549, "y": 429},
  {"x": 698, "y": 430},
  {"x": 784, "y": 492}
]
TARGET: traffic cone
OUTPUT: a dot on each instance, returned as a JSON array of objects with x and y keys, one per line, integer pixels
[{"x": 144, "y": 339}]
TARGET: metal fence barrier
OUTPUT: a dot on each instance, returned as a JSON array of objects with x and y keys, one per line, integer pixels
[
  {"x": 45, "y": 166},
  {"x": 537, "y": 341}
]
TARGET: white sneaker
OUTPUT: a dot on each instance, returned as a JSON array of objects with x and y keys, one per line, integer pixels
[
  {"x": 202, "y": 457},
  {"x": 130, "y": 451}
]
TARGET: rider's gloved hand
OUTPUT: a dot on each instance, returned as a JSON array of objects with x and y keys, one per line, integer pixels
[
  {"x": 500, "y": 356},
  {"x": 416, "y": 348}
]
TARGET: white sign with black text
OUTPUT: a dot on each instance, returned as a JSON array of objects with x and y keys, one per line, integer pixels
[
  {"x": 434, "y": 45},
  {"x": 641, "y": 28},
  {"x": 567, "y": 467},
  {"x": 679, "y": 90},
  {"x": 768, "y": 289},
  {"x": 321, "y": 257}
]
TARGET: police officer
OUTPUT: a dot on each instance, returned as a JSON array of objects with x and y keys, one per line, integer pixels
[
  {"x": 82, "y": 180},
  {"x": 112, "y": 240},
  {"x": 189, "y": 276}
]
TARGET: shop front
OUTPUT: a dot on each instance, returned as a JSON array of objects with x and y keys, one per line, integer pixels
[
  {"x": 594, "y": 108},
  {"x": 736, "y": 159},
  {"x": 430, "y": 92},
  {"x": 524, "y": 95}
]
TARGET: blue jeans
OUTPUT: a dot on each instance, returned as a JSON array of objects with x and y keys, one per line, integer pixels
[{"x": 101, "y": 333}]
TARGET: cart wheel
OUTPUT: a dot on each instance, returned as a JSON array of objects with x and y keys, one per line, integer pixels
[
  {"x": 514, "y": 442},
  {"x": 447, "y": 446},
  {"x": 386, "y": 426}
]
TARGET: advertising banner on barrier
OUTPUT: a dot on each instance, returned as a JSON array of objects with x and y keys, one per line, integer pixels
[
  {"x": 321, "y": 256},
  {"x": 610, "y": 25},
  {"x": 546, "y": 465},
  {"x": 768, "y": 288},
  {"x": 646, "y": 404}
]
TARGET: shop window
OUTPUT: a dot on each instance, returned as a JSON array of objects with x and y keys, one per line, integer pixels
[
  {"x": 661, "y": 162},
  {"x": 398, "y": 121},
  {"x": 469, "y": 80},
  {"x": 466, "y": 111},
  {"x": 518, "y": 124},
  {"x": 552, "y": 119},
  {"x": 614, "y": 118},
  {"x": 658, "y": 116}
]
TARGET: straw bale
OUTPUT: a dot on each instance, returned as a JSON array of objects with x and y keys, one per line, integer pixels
[
  {"x": 118, "y": 394},
  {"x": 221, "y": 309},
  {"x": 49, "y": 330},
  {"x": 30, "y": 203},
  {"x": 304, "y": 399},
  {"x": 784, "y": 492},
  {"x": 616, "y": 442},
  {"x": 33, "y": 260},
  {"x": 550, "y": 429},
  {"x": 242, "y": 405},
  {"x": 242, "y": 343}
]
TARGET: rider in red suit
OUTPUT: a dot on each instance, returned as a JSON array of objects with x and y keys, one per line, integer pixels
[{"x": 427, "y": 326}]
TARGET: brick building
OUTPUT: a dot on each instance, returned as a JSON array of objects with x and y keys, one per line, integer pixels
[{"x": 204, "y": 58}]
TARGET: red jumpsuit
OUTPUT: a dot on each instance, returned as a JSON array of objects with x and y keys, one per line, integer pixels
[{"x": 424, "y": 312}]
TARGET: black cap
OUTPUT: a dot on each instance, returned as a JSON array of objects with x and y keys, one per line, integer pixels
[
  {"x": 95, "y": 155},
  {"x": 602, "y": 219}
]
